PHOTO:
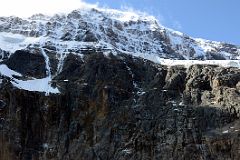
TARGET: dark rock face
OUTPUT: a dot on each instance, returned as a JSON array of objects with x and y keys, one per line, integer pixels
[
  {"x": 29, "y": 64},
  {"x": 3, "y": 54},
  {"x": 121, "y": 107},
  {"x": 211, "y": 85},
  {"x": 89, "y": 37}
]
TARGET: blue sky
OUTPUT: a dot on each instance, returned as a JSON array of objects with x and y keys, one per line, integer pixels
[{"x": 210, "y": 19}]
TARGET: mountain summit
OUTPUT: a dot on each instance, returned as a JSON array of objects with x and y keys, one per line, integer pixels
[{"x": 127, "y": 32}]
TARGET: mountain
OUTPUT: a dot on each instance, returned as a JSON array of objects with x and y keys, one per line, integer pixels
[
  {"x": 137, "y": 34},
  {"x": 107, "y": 84}
]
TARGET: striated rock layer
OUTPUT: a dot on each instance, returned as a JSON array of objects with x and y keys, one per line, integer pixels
[{"x": 120, "y": 107}]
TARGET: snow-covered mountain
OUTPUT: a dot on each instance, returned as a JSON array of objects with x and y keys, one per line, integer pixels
[
  {"x": 101, "y": 30},
  {"x": 101, "y": 84},
  {"x": 134, "y": 33}
]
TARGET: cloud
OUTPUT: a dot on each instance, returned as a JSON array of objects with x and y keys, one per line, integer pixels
[{"x": 26, "y": 8}]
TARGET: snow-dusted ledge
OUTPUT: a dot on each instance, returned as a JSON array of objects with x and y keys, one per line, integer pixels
[{"x": 188, "y": 63}]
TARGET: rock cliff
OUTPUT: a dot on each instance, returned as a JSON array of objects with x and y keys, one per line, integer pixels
[
  {"x": 102, "y": 84},
  {"x": 122, "y": 107}
]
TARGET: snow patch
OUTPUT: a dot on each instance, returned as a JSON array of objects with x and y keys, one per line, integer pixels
[
  {"x": 4, "y": 70},
  {"x": 188, "y": 63},
  {"x": 225, "y": 132},
  {"x": 11, "y": 42},
  {"x": 47, "y": 62},
  {"x": 127, "y": 151},
  {"x": 126, "y": 15},
  {"x": 39, "y": 85}
]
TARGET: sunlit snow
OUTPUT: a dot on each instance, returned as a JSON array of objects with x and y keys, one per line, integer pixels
[
  {"x": 11, "y": 42},
  {"x": 188, "y": 63},
  {"x": 4, "y": 70},
  {"x": 38, "y": 85}
]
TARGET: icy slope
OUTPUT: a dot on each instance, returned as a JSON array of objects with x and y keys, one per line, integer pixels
[{"x": 134, "y": 33}]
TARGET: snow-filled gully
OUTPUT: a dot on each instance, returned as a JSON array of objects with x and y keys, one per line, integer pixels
[{"x": 47, "y": 62}]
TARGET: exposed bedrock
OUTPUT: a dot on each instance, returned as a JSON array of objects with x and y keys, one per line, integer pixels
[
  {"x": 121, "y": 107},
  {"x": 27, "y": 63}
]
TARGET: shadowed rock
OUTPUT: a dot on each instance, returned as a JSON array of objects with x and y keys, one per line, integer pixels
[
  {"x": 26, "y": 63},
  {"x": 121, "y": 107}
]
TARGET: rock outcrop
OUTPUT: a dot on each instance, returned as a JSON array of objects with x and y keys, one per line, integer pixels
[{"x": 122, "y": 107}]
